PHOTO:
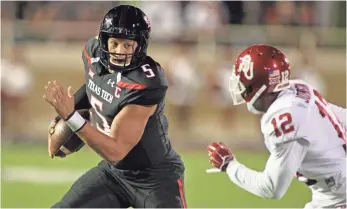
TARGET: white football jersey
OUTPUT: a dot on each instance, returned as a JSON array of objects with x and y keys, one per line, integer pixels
[
  {"x": 301, "y": 113},
  {"x": 303, "y": 134}
]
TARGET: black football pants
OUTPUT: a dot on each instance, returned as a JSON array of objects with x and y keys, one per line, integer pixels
[{"x": 98, "y": 188}]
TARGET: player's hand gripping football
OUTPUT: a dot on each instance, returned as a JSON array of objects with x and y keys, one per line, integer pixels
[
  {"x": 51, "y": 130},
  {"x": 220, "y": 155},
  {"x": 61, "y": 100}
]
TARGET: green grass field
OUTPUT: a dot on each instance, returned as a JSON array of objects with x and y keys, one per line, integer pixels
[{"x": 202, "y": 190}]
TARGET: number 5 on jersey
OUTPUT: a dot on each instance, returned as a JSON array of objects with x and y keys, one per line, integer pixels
[
  {"x": 98, "y": 106},
  {"x": 282, "y": 124},
  {"x": 148, "y": 71}
]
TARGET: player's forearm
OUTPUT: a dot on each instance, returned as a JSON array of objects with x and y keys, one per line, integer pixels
[
  {"x": 274, "y": 181},
  {"x": 102, "y": 144},
  {"x": 257, "y": 183}
]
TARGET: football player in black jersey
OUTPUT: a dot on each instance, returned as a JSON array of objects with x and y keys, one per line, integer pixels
[{"x": 125, "y": 90}]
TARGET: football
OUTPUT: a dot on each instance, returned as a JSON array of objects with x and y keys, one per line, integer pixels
[{"x": 63, "y": 140}]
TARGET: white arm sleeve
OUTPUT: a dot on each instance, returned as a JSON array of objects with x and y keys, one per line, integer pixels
[
  {"x": 341, "y": 114},
  {"x": 280, "y": 169}
]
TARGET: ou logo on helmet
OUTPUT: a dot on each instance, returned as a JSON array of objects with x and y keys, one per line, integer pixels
[{"x": 246, "y": 66}]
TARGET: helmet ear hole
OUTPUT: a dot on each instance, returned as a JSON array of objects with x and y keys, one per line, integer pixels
[{"x": 248, "y": 90}]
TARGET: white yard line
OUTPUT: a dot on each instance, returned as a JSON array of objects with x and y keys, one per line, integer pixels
[{"x": 32, "y": 174}]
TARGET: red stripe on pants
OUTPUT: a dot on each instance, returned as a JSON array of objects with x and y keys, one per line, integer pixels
[{"x": 181, "y": 190}]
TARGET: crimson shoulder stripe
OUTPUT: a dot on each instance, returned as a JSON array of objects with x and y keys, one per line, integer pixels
[
  {"x": 86, "y": 55},
  {"x": 126, "y": 85}
]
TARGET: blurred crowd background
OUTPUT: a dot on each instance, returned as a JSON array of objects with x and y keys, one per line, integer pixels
[{"x": 195, "y": 42}]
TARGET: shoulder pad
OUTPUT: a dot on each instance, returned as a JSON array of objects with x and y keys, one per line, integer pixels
[
  {"x": 149, "y": 74},
  {"x": 90, "y": 50}
]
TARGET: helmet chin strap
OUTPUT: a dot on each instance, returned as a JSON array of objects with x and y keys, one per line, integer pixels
[
  {"x": 115, "y": 65},
  {"x": 250, "y": 105},
  {"x": 121, "y": 65},
  {"x": 252, "y": 109}
]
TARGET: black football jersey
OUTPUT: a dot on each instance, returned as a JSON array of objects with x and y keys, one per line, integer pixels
[{"x": 108, "y": 93}]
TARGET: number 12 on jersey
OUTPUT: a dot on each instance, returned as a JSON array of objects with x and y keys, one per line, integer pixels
[
  {"x": 282, "y": 124},
  {"x": 325, "y": 112}
]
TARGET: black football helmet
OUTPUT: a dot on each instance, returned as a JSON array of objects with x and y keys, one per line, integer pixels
[{"x": 126, "y": 22}]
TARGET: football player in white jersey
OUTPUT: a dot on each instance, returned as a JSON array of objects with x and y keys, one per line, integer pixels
[{"x": 305, "y": 134}]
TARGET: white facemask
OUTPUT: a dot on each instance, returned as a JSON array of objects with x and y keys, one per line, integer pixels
[{"x": 252, "y": 109}]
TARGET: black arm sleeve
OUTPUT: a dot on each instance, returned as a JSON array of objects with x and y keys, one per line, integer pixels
[{"x": 81, "y": 100}]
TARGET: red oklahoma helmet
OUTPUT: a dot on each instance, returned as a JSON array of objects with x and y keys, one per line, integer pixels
[{"x": 258, "y": 69}]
